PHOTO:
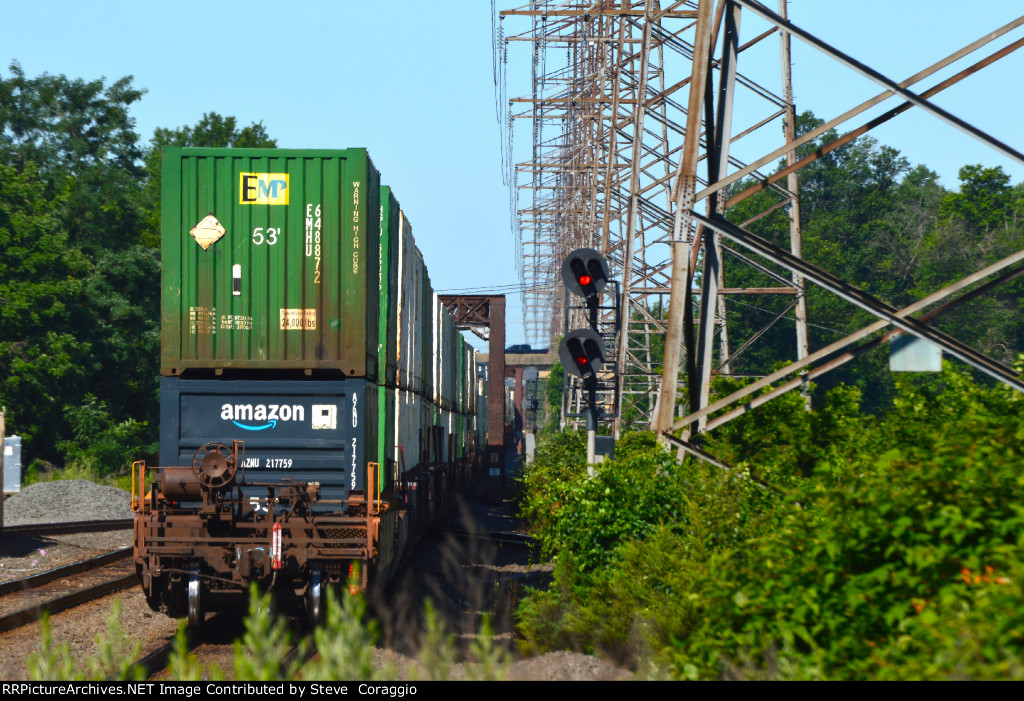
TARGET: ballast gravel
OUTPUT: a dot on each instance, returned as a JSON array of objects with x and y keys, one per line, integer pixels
[
  {"x": 80, "y": 500},
  {"x": 66, "y": 500},
  {"x": 25, "y": 554}
]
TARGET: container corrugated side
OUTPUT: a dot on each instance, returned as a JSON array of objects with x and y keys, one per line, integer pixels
[
  {"x": 387, "y": 287},
  {"x": 426, "y": 325},
  {"x": 412, "y": 421},
  {"x": 311, "y": 430},
  {"x": 392, "y": 221},
  {"x": 436, "y": 350},
  {"x": 290, "y": 247},
  {"x": 412, "y": 312},
  {"x": 403, "y": 298},
  {"x": 451, "y": 341},
  {"x": 482, "y": 418}
]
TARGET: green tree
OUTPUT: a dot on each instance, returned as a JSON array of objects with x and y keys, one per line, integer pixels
[
  {"x": 79, "y": 263},
  {"x": 42, "y": 362},
  {"x": 976, "y": 226},
  {"x": 847, "y": 200},
  {"x": 984, "y": 200},
  {"x": 893, "y": 230},
  {"x": 81, "y": 305},
  {"x": 211, "y": 131}
]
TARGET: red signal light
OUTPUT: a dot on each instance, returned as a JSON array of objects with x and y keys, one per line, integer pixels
[
  {"x": 585, "y": 279},
  {"x": 582, "y": 360}
]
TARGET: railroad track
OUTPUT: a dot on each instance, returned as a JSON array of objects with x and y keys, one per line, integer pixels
[
  {"x": 42, "y": 578},
  {"x": 113, "y": 570},
  {"x": 68, "y": 527},
  {"x": 519, "y": 540},
  {"x": 154, "y": 662}
]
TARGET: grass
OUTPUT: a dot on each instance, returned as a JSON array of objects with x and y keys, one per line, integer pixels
[{"x": 76, "y": 470}]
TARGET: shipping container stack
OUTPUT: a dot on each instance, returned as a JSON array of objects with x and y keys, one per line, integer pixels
[{"x": 298, "y": 316}]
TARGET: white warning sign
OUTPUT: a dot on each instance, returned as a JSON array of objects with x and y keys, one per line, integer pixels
[
  {"x": 208, "y": 231},
  {"x": 303, "y": 319}
]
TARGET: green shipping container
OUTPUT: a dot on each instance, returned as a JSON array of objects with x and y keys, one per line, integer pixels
[
  {"x": 392, "y": 222},
  {"x": 270, "y": 261}
]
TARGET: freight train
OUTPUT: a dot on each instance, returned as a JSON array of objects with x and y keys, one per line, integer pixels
[{"x": 318, "y": 407}]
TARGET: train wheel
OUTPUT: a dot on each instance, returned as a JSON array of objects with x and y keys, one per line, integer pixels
[
  {"x": 316, "y": 604},
  {"x": 195, "y": 603}
]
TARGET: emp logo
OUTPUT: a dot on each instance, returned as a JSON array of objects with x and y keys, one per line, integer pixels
[{"x": 263, "y": 188}]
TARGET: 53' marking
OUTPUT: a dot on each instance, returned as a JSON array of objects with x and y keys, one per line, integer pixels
[{"x": 271, "y": 236}]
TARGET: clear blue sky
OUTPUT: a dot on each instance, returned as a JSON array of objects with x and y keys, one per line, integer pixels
[{"x": 413, "y": 82}]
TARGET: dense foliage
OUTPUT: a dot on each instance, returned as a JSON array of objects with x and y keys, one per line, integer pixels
[
  {"x": 882, "y": 546},
  {"x": 871, "y": 218},
  {"x": 80, "y": 266}
]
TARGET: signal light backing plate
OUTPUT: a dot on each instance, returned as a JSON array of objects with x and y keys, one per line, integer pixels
[
  {"x": 585, "y": 272},
  {"x": 585, "y": 344}
]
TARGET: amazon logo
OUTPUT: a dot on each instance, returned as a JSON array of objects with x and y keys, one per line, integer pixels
[{"x": 260, "y": 417}]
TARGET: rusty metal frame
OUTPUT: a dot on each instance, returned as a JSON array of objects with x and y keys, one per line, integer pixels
[
  {"x": 237, "y": 546},
  {"x": 615, "y": 167},
  {"x": 474, "y": 312},
  {"x": 599, "y": 186},
  {"x": 839, "y": 345}
]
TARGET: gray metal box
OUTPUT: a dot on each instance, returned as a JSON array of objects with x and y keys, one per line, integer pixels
[
  {"x": 12, "y": 464},
  {"x": 912, "y": 354}
]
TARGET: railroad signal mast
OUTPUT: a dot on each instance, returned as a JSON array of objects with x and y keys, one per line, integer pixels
[
  {"x": 637, "y": 153},
  {"x": 590, "y": 387},
  {"x": 585, "y": 274}
]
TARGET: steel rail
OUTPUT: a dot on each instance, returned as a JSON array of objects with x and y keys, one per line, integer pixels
[
  {"x": 68, "y": 527},
  {"x": 502, "y": 537},
  {"x": 42, "y": 578},
  {"x": 155, "y": 661},
  {"x": 62, "y": 603}
]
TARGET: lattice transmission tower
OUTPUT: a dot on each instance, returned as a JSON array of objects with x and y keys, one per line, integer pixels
[{"x": 636, "y": 136}]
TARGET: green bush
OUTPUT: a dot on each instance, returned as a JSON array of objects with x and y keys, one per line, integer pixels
[
  {"x": 881, "y": 540},
  {"x": 972, "y": 631},
  {"x": 627, "y": 541},
  {"x": 885, "y": 547},
  {"x": 102, "y": 445}
]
